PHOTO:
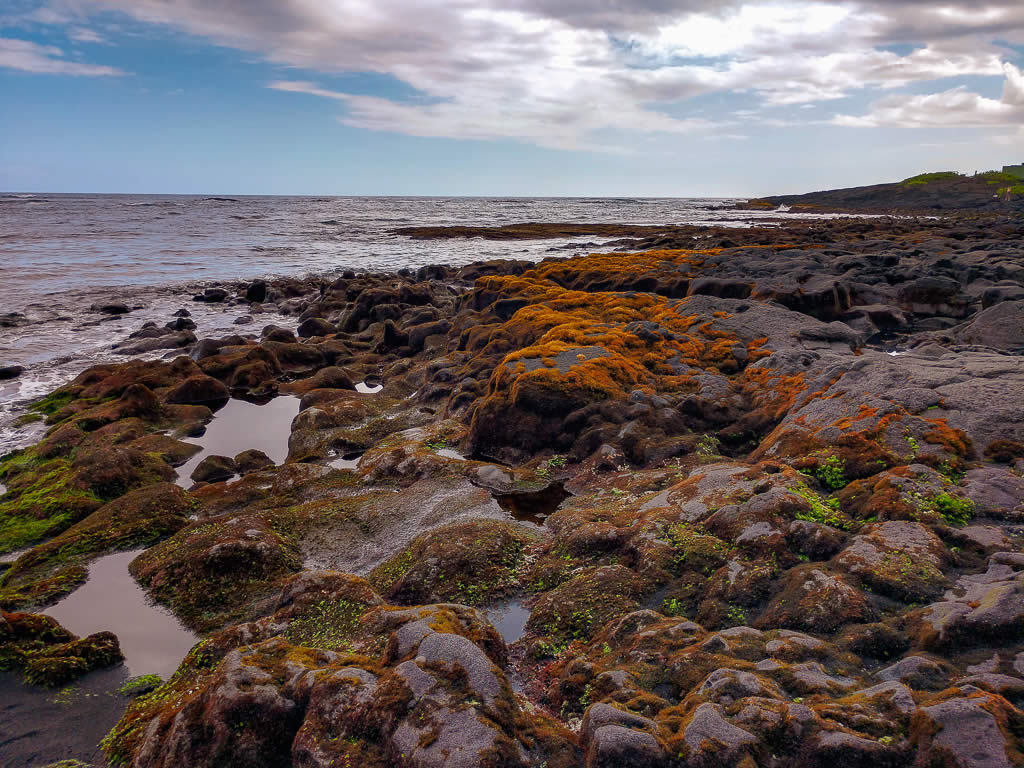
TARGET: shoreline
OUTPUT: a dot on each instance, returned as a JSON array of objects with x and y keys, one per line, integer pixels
[{"x": 744, "y": 505}]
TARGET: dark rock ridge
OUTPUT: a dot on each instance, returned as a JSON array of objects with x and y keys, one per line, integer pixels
[
  {"x": 752, "y": 499},
  {"x": 992, "y": 191}
]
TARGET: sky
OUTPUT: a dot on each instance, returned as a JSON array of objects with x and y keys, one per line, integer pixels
[{"x": 504, "y": 97}]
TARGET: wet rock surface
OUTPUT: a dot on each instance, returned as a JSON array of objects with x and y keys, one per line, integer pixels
[{"x": 759, "y": 503}]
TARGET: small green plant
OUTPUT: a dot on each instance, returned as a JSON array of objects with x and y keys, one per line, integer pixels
[
  {"x": 585, "y": 698},
  {"x": 826, "y": 511},
  {"x": 708, "y": 445},
  {"x": 912, "y": 442},
  {"x": 554, "y": 648},
  {"x": 672, "y": 607},
  {"x": 736, "y": 616},
  {"x": 952, "y": 471},
  {"x": 955, "y": 510},
  {"x": 437, "y": 443},
  {"x": 832, "y": 472}
]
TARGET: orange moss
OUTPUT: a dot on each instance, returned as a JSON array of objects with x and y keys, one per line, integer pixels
[{"x": 942, "y": 434}]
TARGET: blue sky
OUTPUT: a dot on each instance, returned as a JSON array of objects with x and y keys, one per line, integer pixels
[{"x": 504, "y": 97}]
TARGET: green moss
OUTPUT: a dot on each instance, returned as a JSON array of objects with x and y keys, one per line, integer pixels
[
  {"x": 825, "y": 511},
  {"x": 138, "y": 519},
  {"x": 955, "y": 510},
  {"x": 832, "y": 472},
  {"x": 696, "y": 550},
  {"x": 998, "y": 177},
  {"x": 328, "y": 625},
  {"x": 926, "y": 178},
  {"x": 41, "y": 500},
  {"x": 384, "y": 576},
  {"x": 41, "y": 591},
  {"x": 52, "y": 403},
  {"x": 137, "y": 686}
]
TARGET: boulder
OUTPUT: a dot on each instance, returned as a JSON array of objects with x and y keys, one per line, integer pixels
[
  {"x": 966, "y": 732},
  {"x": 212, "y": 296},
  {"x": 315, "y": 326},
  {"x": 213, "y": 469},
  {"x": 252, "y": 460},
  {"x": 11, "y": 372},
  {"x": 1000, "y": 326},
  {"x": 199, "y": 390},
  {"x": 256, "y": 292},
  {"x": 111, "y": 308}
]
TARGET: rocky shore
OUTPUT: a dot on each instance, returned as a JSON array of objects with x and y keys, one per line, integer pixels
[{"x": 721, "y": 497}]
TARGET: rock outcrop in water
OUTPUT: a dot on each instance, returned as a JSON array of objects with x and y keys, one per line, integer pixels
[{"x": 778, "y": 476}]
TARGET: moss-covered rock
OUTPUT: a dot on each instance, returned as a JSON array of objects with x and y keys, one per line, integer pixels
[
  {"x": 576, "y": 609},
  {"x": 470, "y": 563},
  {"x": 49, "y": 655},
  {"x": 138, "y": 519},
  {"x": 210, "y": 571}
]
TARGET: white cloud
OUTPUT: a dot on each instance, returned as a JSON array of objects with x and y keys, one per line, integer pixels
[
  {"x": 592, "y": 73},
  {"x": 27, "y": 56},
  {"x": 957, "y": 107},
  {"x": 85, "y": 35}
]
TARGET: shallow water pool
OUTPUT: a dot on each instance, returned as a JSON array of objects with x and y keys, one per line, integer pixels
[
  {"x": 153, "y": 641},
  {"x": 241, "y": 425}
]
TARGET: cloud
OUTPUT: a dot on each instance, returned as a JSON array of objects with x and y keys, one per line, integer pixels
[
  {"x": 592, "y": 73},
  {"x": 491, "y": 121},
  {"x": 956, "y": 107},
  {"x": 27, "y": 56},
  {"x": 85, "y": 35}
]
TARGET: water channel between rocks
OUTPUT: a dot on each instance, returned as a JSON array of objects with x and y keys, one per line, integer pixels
[
  {"x": 241, "y": 425},
  {"x": 152, "y": 640}
]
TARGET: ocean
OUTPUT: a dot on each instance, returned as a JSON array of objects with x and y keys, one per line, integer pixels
[{"x": 59, "y": 254}]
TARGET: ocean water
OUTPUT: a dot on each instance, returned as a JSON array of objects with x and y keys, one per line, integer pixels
[{"x": 61, "y": 253}]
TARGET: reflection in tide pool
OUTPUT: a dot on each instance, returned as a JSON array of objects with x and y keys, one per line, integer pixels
[
  {"x": 152, "y": 640},
  {"x": 533, "y": 506},
  {"x": 368, "y": 389},
  {"x": 509, "y": 618},
  {"x": 241, "y": 425}
]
